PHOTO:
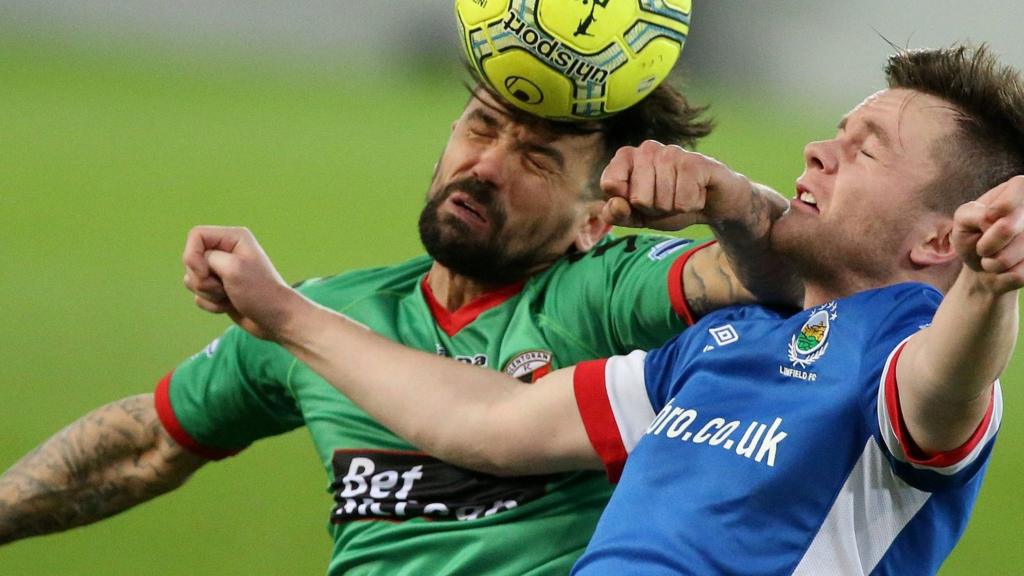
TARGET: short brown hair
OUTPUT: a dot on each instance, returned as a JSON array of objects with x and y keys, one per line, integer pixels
[
  {"x": 988, "y": 147},
  {"x": 664, "y": 115}
]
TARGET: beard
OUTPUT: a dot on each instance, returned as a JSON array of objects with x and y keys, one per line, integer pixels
[{"x": 456, "y": 246}]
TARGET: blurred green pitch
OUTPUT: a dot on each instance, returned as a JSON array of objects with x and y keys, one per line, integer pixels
[{"x": 108, "y": 154}]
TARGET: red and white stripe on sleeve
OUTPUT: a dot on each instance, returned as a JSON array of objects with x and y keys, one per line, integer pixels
[
  {"x": 612, "y": 398},
  {"x": 901, "y": 445}
]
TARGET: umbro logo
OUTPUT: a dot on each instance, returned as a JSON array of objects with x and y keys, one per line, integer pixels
[{"x": 724, "y": 335}]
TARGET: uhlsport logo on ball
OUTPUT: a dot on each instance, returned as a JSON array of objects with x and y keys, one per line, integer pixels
[{"x": 573, "y": 59}]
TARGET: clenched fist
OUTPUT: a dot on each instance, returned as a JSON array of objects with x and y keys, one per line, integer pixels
[
  {"x": 665, "y": 187},
  {"x": 228, "y": 272},
  {"x": 988, "y": 234}
]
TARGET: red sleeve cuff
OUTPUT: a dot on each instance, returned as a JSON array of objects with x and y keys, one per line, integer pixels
[
  {"x": 914, "y": 453},
  {"x": 676, "y": 290},
  {"x": 598, "y": 418},
  {"x": 162, "y": 400}
]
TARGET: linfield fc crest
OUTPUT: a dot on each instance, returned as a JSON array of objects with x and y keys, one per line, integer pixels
[
  {"x": 529, "y": 366},
  {"x": 811, "y": 342}
]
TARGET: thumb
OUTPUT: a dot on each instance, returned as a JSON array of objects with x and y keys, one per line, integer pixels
[
  {"x": 970, "y": 218},
  {"x": 615, "y": 176},
  {"x": 223, "y": 264},
  {"x": 617, "y": 211}
]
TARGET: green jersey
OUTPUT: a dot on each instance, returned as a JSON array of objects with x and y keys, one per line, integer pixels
[{"x": 397, "y": 510}]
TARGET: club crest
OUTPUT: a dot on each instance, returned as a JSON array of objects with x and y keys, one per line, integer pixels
[
  {"x": 811, "y": 342},
  {"x": 529, "y": 366}
]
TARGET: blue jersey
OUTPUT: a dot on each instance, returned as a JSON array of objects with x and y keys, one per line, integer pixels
[{"x": 760, "y": 443}]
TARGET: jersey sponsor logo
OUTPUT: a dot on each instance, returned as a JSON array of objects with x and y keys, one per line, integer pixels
[
  {"x": 809, "y": 344},
  {"x": 663, "y": 250},
  {"x": 380, "y": 485},
  {"x": 529, "y": 366},
  {"x": 474, "y": 359},
  {"x": 756, "y": 441}
]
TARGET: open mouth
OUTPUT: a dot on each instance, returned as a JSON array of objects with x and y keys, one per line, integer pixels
[
  {"x": 805, "y": 198},
  {"x": 466, "y": 209}
]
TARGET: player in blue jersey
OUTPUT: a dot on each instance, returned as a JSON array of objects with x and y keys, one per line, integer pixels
[{"x": 848, "y": 438}]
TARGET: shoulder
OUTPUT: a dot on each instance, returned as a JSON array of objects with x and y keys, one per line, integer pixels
[
  {"x": 619, "y": 254},
  {"x": 341, "y": 289},
  {"x": 653, "y": 247},
  {"x": 899, "y": 296},
  {"x": 908, "y": 304}
]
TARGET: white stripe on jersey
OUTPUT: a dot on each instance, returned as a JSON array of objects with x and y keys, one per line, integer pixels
[
  {"x": 872, "y": 508},
  {"x": 887, "y": 426},
  {"x": 627, "y": 394}
]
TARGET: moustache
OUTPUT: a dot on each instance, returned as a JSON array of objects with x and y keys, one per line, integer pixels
[{"x": 481, "y": 192}]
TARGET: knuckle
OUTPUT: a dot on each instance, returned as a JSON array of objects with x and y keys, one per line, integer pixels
[
  {"x": 641, "y": 201},
  {"x": 624, "y": 153},
  {"x": 650, "y": 148}
]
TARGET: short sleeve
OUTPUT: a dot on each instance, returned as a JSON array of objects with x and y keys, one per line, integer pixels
[
  {"x": 632, "y": 288},
  {"x": 619, "y": 399},
  {"x": 229, "y": 395},
  {"x": 934, "y": 471},
  {"x": 912, "y": 312}
]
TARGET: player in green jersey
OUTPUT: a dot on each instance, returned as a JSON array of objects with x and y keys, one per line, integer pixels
[{"x": 521, "y": 279}]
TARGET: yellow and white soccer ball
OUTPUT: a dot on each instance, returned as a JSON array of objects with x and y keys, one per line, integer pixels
[{"x": 573, "y": 59}]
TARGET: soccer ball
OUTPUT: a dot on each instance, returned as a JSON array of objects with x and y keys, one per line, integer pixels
[{"x": 573, "y": 59}]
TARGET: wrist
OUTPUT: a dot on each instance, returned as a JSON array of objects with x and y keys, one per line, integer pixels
[
  {"x": 290, "y": 325},
  {"x": 752, "y": 212},
  {"x": 982, "y": 286}
]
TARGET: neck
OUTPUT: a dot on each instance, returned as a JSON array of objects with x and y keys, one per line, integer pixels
[
  {"x": 454, "y": 291},
  {"x": 817, "y": 295}
]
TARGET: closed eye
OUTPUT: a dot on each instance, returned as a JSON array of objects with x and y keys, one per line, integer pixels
[{"x": 539, "y": 162}]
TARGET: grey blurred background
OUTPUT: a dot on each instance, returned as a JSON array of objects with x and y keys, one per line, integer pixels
[{"x": 822, "y": 52}]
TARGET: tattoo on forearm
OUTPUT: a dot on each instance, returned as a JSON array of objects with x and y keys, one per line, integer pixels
[
  {"x": 711, "y": 284},
  {"x": 107, "y": 461},
  {"x": 747, "y": 245},
  {"x": 696, "y": 291}
]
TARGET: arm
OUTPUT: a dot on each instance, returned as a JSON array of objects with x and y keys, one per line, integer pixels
[
  {"x": 108, "y": 461},
  {"x": 667, "y": 188},
  {"x": 946, "y": 371},
  {"x": 466, "y": 415}
]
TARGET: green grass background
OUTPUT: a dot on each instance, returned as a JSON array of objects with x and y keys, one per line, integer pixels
[{"x": 110, "y": 152}]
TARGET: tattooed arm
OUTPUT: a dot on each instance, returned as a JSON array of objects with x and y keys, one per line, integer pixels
[
  {"x": 710, "y": 283},
  {"x": 668, "y": 188},
  {"x": 109, "y": 460},
  {"x": 743, "y": 228}
]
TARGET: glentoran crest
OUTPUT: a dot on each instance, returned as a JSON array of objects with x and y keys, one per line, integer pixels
[{"x": 810, "y": 344}]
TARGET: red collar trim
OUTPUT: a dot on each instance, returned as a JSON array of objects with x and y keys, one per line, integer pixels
[{"x": 452, "y": 322}]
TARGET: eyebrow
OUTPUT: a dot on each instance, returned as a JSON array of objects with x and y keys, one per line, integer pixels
[
  {"x": 550, "y": 152},
  {"x": 873, "y": 128},
  {"x": 479, "y": 114},
  {"x": 490, "y": 121}
]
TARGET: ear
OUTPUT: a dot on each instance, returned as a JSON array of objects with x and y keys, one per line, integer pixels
[
  {"x": 936, "y": 247},
  {"x": 593, "y": 229}
]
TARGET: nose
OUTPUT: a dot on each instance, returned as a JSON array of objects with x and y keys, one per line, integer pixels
[
  {"x": 820, "y": 155},
  {"x": 489, "y": 163}
]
